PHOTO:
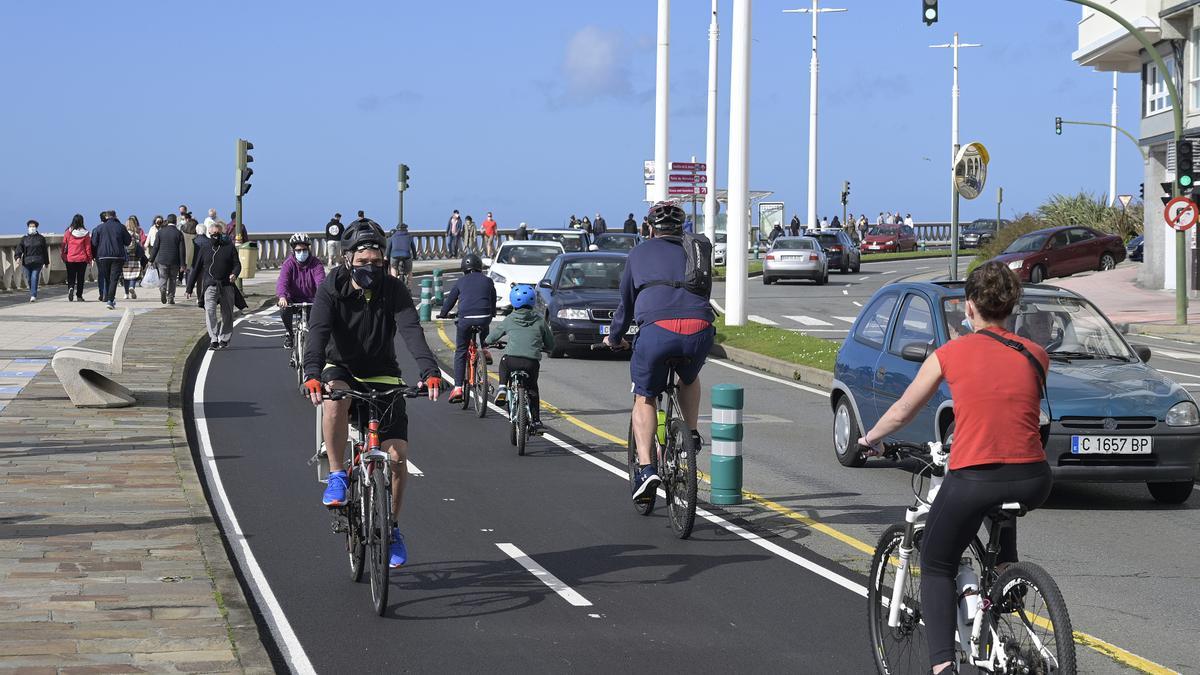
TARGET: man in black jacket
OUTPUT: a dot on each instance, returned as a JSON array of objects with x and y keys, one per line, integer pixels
[
  {"x": 168, "y": 254},
  {"x": 631, "y": 226},
  {"x": 33, "y": 254},
  {"x": 351, "y": 345},
  {"x": 110, "y": 239},
  {"x": 475, "y": 295},
  {"x": 216, "y": 267}
]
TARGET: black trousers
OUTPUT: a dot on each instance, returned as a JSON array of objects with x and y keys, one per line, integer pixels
[
  {"x": 460, "y": 345},
  {"x": 964, "y": 499},
  {"x": 532, "y": 366},
  {"x": 76, "y": 272},
  {"x": 109, "y": 269},
  {"x": 288, "y": 315}
]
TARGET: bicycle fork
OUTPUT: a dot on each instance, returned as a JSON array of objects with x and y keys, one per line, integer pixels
[{"x": 906, "y": 549}]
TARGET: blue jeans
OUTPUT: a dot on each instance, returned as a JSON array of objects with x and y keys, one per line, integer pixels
[{"x": 32, "y": 276}]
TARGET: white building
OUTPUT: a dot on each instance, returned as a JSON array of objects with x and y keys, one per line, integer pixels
[{"x": 1174, "y": 28}]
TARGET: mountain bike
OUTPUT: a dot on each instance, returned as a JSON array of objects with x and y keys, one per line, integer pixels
[
  {"x": 1010, "y": 620},
  {"x": 366, "y": 517},
  {"x": 475, "y": 389},
  {"x": 520, "y": 415},
  {"x": 299, "y": 338}
]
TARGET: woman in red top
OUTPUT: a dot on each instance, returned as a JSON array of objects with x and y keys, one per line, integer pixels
[
  {"x": 997, "y": 454},
  {"x": 77, "y": 253}
]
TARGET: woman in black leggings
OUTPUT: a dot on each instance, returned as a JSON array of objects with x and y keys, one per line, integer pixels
[{"x": 997, "y": 454}]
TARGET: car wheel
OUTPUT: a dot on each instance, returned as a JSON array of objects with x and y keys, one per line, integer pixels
[
  {"x": 766, "y": 280},
  {"x": 821, "y": 278},
  {"x": 845, "y": 264},
  {"x": 1037, "y": 275},
  {"x": 857, "y": 265},
  {"x": 846, "y": 434},
  {"x": 1176, "y": 492},
  {"x": 1107, "y": 262}
]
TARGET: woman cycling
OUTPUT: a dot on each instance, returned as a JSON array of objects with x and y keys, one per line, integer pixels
[
  {"x": 997, "y": 454},
  {"x": 298, "y": 281}
]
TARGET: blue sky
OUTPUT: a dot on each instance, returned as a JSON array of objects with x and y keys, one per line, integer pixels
[{"x": 534, "y": 110}]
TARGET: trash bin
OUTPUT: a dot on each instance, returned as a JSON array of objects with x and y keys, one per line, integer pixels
[{"x": 248, "y": 255}]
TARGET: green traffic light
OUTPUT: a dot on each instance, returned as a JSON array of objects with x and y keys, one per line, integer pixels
[{"x": 1185, "y": 181}]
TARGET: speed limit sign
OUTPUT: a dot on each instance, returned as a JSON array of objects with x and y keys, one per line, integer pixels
[{"x": 1181, "y": 213}]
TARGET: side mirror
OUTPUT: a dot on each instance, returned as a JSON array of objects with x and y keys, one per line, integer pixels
[
  {"x": 545, "y": 283},
  {"x": 1143, "y": 352},
  {"x": 593, "y": 247},
  {"x": 916, "y": 352}
]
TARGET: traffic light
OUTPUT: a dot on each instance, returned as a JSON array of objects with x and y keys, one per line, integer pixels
[
  {"x": 243, "y": 170},
  {"x": 1185, "y": 176},
  {"x": 1142, "y": 192},
  {"x": 845, "y": 192},
  {"x": 929, "y": 12},
  {"x": 1058, "y": 126},
  {"x": 1166, "y": 188},
  {"x": 403, "y": 182}
]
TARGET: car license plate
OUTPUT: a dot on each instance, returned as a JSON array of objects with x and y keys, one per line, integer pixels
[
  {"x": 793, "y": 257},
  {"x": 605, "y": 329},
  {"x": 633, "y": 329},
  {"x": 1110, "y": 445},
  {"x": 873, "y": 247}
]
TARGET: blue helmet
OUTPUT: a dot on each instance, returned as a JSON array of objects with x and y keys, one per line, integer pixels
[{"x": 522, "y": 295}]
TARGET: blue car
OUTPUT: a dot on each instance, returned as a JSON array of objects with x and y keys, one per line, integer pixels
[{"x": 1112, "y": 419}]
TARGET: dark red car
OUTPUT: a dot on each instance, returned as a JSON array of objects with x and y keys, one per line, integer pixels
[
  {"x": 1061, "y": 252},
  {"x": 889, "y": 239}
]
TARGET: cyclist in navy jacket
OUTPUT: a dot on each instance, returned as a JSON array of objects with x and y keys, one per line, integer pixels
[{"x": 475, "y": 296}]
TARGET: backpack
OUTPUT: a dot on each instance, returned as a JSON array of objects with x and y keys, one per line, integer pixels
[{"x": 697, "y": 271}]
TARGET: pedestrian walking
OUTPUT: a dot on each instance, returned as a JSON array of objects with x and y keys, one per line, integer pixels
[
  {"x": 217, "y": 267},
  {"x": 333, "y": 238},
  {"x": 470, "y": 236},
  {"x": 794, "y": 226},
  {"x": 776, "y": 232},
  {"x": 167, "y": 254},
  {"x": 152, "y": 233},
  {"x": 835, "y": 223},
  {"x": 599, "y": 225},
  {"x": 135, "y": 259},
  {"x": 908, "y": 219},
  {"x": 585, "y": 225},
  {"x": 454, "y": 228},
  {"x": 76, "y": 253},
  {"x": 489, "y": 235},
  {"x": 630, "y": 226},
  {"x": 645, "y": 228},
  {"x": 824, "y": 222},
  {"x": 863, "y": 226},
  {"x": 522, "y": 232},
  {"x": 137, "y": 232},
  {"x": 689, "y": 226},
  {"x": 110, "y": 239},
  {"x": 33, "y": 254},
  {"x": 573, "y": 223}
]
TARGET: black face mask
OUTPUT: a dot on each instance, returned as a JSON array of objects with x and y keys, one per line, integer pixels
[{"x": 367, "y": 276}]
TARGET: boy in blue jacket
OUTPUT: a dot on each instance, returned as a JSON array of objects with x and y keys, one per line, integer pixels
[{"x": 476, "y": 299}]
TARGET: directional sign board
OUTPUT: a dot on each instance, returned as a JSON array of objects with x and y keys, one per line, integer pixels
[
  {"x": 970, "y": 170},
  {"x": 688, "y": 178},
  {"x": 1180, "y": 213},
  {"x": 687, "y": 190},
  {"x": 689, "y": 166}
]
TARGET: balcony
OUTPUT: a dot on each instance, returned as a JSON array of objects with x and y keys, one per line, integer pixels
[{"x": 1106, "y": 46}]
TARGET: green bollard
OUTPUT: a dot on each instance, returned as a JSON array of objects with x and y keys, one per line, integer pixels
[
  {"x": 437, "y": 287},
  {"x": 727, "y": 403},
  {"x": 425, "y": 310}
]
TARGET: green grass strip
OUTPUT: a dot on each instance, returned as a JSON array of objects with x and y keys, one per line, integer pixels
[{"x": 786, "y": 345}]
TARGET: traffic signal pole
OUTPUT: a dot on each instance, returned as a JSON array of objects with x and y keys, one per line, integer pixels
[
  {"x": 954, "y": 145},
  {"x": 400, "y": 193}
]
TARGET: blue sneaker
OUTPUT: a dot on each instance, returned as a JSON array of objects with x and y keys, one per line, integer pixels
[
  {"x": 335, "y": 489},
  {"x": 398, "y": 550},
  {"x": 647, "y": 482}
]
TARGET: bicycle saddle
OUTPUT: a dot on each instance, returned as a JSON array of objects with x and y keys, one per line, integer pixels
[
  {"x": 677, "y": 361},
  {"x": 1008, "y": 510}
]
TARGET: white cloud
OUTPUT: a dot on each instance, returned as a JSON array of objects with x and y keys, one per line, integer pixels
[{"x": 596, "y": 64}]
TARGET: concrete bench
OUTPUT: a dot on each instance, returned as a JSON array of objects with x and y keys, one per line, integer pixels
[{"x": 84, "y": 373}]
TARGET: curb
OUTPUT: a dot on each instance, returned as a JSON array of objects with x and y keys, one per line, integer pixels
[
  {"x": 792, "y": 371},
  {"x": 1189, "y": 333}
]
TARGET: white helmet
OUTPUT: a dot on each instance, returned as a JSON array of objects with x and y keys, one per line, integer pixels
[{"x": 299, "y": 238}]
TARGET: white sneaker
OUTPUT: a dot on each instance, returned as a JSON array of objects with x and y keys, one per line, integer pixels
[
  {"x": 501, "y": 395},
  {"x": 33, "y": 299}
]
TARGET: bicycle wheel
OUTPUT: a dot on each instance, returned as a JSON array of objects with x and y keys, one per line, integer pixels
[
  {"x": 300, "y": 339},
  {"x": 512, "y": 415},
  {"x": 379, "y": 537},
  {"x": 481, "y": 381},
  {"x": 356, "y": 545},
  {"x": 521, "y": 422},
  {"x": 902, "y": 649},
  {"x": 680, "y": 478},
  {"x": 1030, "y": 617},
  {"x": 469, "y": 376},
  {"x": 646, "y": 506}
]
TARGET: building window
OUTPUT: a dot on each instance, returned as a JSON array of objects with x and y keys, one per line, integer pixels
[
  {"x": 1157, "y": 98},
  {"x": 1194, "y": 70}
]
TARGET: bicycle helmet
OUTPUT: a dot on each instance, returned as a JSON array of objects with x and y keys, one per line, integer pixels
[
  {"x": 299, "y": 239},
  {"x": 472, "y": 263},
  {"x": 522, "y": 295},
  {"x": 363, "y": 234},
  {"x": 666, "y": 217}
]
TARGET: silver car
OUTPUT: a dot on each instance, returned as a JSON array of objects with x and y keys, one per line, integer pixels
[{"x": 795, "y": 258}]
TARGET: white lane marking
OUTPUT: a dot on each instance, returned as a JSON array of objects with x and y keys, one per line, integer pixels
[
  {"x": 863, "y": 278},
  {"x": 845, "y": 292},
  {"x": 293, "y": 651},
  {"x": 564, "y": 591},
  {"x": 413, "y": 470},
  {"x": 1184, "y": 356},
  {"x": 819, "y": 330},
  {"x": 807, "y": 320},
  {"x": 847, "y": 319},
  {"x": 888, "y": 272},
  {"x": 780, "y": 380},
  {"x": 1151, "y": 337},
  {"x": 1176, "y": 372},
  {"x": 857, "y": 303},
  {"x": 763, "y": 320}
]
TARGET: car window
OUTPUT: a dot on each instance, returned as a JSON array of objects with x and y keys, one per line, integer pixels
[
  {"x": 1060, "y": 240},
  {"x": 1078, "y": 234},
  {"x": 552, "y": 271},
  {"x": 721, "y": 237},
  {"x": 829, "y": 240},
  {"x": 614, "y": 243},
  {"x": 872, "y": 326},
  {"x": 527, "y": 255},
  {"x": 1068, "y": 326},
  {"x": 579, "y": 274},
  {"x": 793, "y": 244},
  {"x": 1027, "y": 244},
  {"x": 883, "y": 232},
  {"x": 906, "y": 231},
  {"x": 571, "y": 243},
  {"x": 914, "y": 323}
]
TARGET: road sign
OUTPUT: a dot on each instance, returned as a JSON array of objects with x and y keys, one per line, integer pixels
[
  {"x": 1180, "y": 213},
  {"x": 1124, "y": 199},
  {"x": 689, "y": 166},
  {"x": 648, "y": 171},
  {"x": 970, "y": 170},
  {"x": 688, "y": 178},
  {"x": 687, "y": 190}
]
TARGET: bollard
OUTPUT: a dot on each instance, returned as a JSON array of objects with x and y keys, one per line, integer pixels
[
  {"x": 727, "y": 402},
  {"x": 437, "y": 287},
  {"x": 425, "y": 309}
]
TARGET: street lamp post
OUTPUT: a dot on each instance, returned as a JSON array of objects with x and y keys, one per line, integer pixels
[
  {"x": 710, "y": 147},
  {"x": 738, "y": 230},
  {"x": 954, "y": 146},
  {"x": 1112, "y": 147},
  {"x": 661, "y": 83},
  {"x": 814, "y": 67}
]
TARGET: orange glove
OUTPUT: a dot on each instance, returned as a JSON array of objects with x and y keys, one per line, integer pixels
[
  {"x": 434, "y": 384},
  {"x": 313, "y": 389}
]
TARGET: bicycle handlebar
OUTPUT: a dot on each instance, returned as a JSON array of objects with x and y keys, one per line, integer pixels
[
  {"x": 339, "y": 394},
  {"x": 603, "y": 344}
]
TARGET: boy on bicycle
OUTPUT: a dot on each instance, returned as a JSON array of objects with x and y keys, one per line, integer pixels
[
  {"x": 528, "y": 336},
  {"x": 476, "y": 299},
  {"x": 298, "y": 281}
]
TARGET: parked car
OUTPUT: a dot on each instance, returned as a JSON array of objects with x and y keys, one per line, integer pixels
[
  {"x": 1113, "y": 418},
  {"x": 980, "y": 232},
  {"x": 1061, "y": 252},
  {"x": 520, "y": 262},
  {"x": 1134, "y": 250},
  {"x": 719, "y": 249},
  {"x": 795, "y": 258},
  {"x": 889, "y": 239},
  {"x": 580, "y": 292},
  {"x": 839, "y": 248},
  {"x": 573, "y": 241},
  {"x": 615, "y": 241}
]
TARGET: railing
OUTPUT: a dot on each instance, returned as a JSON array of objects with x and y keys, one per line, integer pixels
[{"x": 11, "y": 277}]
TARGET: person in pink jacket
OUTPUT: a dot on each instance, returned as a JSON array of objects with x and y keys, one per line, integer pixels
[
  {"x": 298, "y": 281},
  {"x": 77, "y": 253}
]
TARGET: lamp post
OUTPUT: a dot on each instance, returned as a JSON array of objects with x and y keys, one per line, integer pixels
[
  {"x": 813, "y": 67},
  {"x": 1112, "y": 147},
  {"x": 954, "y": 146},
  {"x": 738, "y": 231},
  {"x": 661, "y": 83},
  {"x": 710, "y": 147}
]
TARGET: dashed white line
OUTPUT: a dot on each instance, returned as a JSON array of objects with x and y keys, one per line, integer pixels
[
  {"x": 763, "y": 320},
  {"x": 863, "y": 278},
  {"x": 1179, "y": 355},
  {"x": 847, "y": 319},
  {"x": 1151, "y": 337},
  {"x": 780, "y": 380},
  {"x": 857, "y": 303},
  {"x": 845, "y": 292},
  {"x": 807, "y": 320},
  {"x": 1176, "y": 372},
  {"x": 413, "y": 470},
  {"x": 888, "y": 272},
  {"x": 552, "y": 582}
]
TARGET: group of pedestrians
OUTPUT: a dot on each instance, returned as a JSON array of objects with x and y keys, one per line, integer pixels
[
  {"x": 593, "y": 227},
  {"x": 463, "y": 235}
]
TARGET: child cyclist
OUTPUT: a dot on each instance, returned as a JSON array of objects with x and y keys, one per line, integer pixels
[
  {"x": 476, "y": 298},
  {"x": 528, "y": 336}
]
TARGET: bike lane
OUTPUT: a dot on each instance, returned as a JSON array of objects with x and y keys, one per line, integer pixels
[{"x": 465, "y": 601}]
